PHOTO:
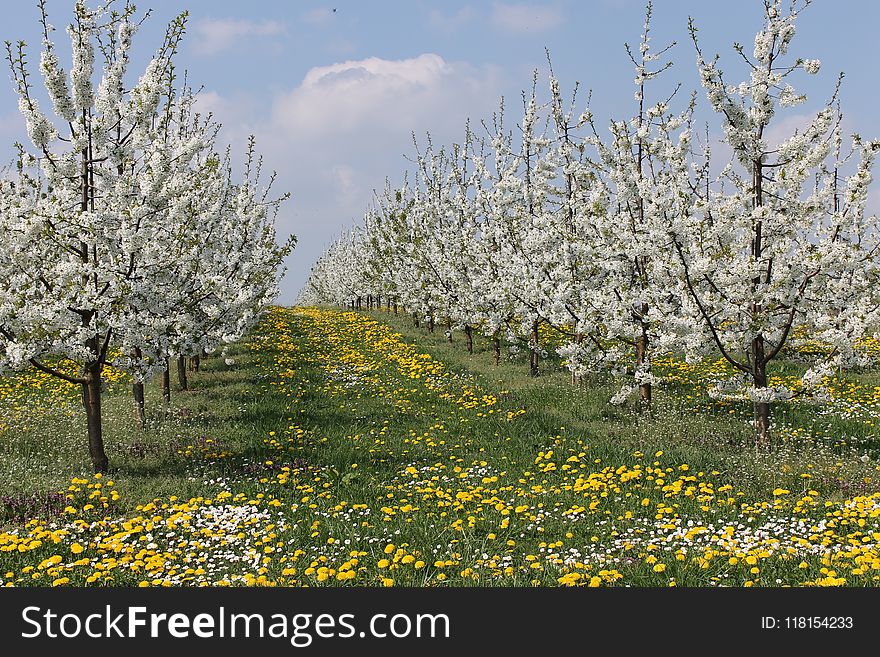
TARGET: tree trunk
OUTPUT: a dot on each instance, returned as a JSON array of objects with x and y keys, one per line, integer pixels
[
  {"x": 761, "y": 409},
  {"x": 430, "y": 323},
  {"x": 196, "y": 362},
  {"x": 534, "y": 356},
  {"x": 641, "y": 359},
  {"x": 137, "y": 392},
  {"x": 449, "y": 329},
  {"x": 166, "y": 383},
  {"x": 140, "y": 404},
  {"x": 469, "y": 338},
  {"x": 759, "y": 360},
  {"x": 416, "y": 319},
  {"x": 762, "y": 425},
  {"x": 496, "y": 347},
  {"x": 92, "y": 403},
  {"x": 576, "y": 378},
  {"x": 181, "y": 373},
  {"x": 395, "y": 307}
]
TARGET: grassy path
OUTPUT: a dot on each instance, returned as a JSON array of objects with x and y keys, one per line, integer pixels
[{"x": 335, "y": 452}]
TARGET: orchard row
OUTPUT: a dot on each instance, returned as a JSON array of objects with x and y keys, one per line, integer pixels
[{"x": 638, "y": 242}]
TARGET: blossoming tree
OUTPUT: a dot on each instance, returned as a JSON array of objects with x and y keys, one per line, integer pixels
[
  {"x": 783, "y": 243},
  {"x": 644, "y": 181},
  {"x": 99, "y": 222}
]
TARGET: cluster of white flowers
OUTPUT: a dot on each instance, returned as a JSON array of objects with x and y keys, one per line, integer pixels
[
  {"x": 619, "y": 398},
  {"x": 811, "y": 66}
]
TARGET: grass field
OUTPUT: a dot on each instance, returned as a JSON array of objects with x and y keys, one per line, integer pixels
[{"x": 353, "y": 449}]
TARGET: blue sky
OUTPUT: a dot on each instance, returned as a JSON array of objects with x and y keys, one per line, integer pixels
[{"x": 333, "y": 96}]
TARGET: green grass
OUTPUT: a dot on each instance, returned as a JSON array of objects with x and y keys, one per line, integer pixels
[
  {"x": 332, "y": 444},
  {"x": 698, "y": 431},
  {"x": 40, "y": 451}
]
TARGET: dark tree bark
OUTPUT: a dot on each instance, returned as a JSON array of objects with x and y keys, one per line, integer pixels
[
  {"x": 137, "y": 392},
  {"x": 761, "y": 409},
  {"x": 181, "y": 373},
  {"x": 196, "y": 362},
  {"x": 166, "y": 382},
  {"x": 92, "y": 402},
  {"x": 469, "y": 338},
  {"x": 759, "y": 355},
  {"x": 140, "y": 410}
]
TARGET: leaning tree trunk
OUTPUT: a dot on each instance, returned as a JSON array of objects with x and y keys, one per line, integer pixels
[
  {"x": 534, "y": 356},
  {"x": 181, "y": 373},
  {"x": 469, "y": 338},
  {"x": 92, "y": 403},
  {"x": 166, "y": 382},
  {"x": 761, "y": 409}
]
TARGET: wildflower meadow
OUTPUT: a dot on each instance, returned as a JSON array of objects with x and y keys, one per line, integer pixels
[
  {"x": 351, "y": 449},
  {"x": 559, "y": 351}
]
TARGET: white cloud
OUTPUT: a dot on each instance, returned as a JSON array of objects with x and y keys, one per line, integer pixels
[
  {"x": 210, "y": 102},
  {"x": 346, "y": 180},
  {"x": 336, "y": 135},
  {"x": 380, "y": 95},
  {"x": 783, "y": 128},
  {"x": 525, "y": 17},
  {"x": 239, "y": 115},
  {"x": 214, "y": 35}
]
